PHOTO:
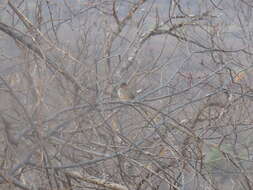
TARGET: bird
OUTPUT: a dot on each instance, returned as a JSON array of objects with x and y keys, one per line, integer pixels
[{"x": 124, "y": 92}]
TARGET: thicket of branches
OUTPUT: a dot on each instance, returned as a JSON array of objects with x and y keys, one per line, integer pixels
[{"x": 63, "y": 125}]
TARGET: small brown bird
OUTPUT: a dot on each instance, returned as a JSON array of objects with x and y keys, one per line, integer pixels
[{"x": 124, "y": 92}]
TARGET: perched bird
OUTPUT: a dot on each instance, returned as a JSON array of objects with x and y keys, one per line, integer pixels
[{"x": 124, "y": 92}]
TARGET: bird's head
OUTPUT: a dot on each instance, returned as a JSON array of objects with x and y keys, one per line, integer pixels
[{"x": 123, "y": 85}]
